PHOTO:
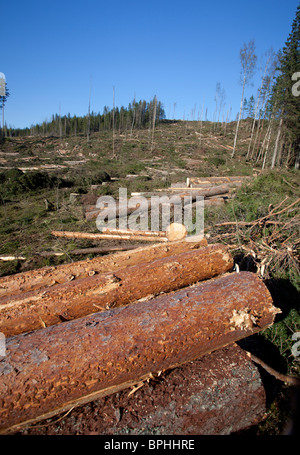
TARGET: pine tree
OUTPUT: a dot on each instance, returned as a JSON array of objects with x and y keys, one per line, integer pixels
[
  {"x": 285, "y": 104},
  {"x": 3, "y": 99}
]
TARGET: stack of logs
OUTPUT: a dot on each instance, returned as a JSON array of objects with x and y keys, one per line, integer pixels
[
  {"x": 215, "y": 191},
  {"x": 82, "y": 331}
]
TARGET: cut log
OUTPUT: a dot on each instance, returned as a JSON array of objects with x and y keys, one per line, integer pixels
[
  {"x": 121, "y": 211},
  {"x": 182, "y": 198},
  {"x": 92, "y": 236},
  {"x": 217, "y": 180},
  {"x": 134, "y": 232},
  {"x": 206, "y": 192},
  {"x": 12, "y": 258},
  {"x": 49, "y": 276},
  {"x": 220, "y": 393},
  {"x": 49, "y": 371},
  {"x": 92, "y": 250},
  {"x": 176, "y": 231},
  {"x": 75, "y": 299}
]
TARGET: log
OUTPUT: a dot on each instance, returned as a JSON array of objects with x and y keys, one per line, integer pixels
[
  {"x": 49, "y": 371},
  {"x": 75, "y": 299},
  {"x": 92, "y": 250},
  {"x": 134, "y": 232},
  {"x": 176, "y": 231},
  {"x": 12, "y": 258},
  {"x": 121, "y": 211},
  {"x": 217, "y": 180},
  {"x": 49, "y": 276},
  {"x": 92, "y": 236},
  {"x": 206, "y": 192},
  {"x": 91, "y": 212},
  {"x": 220, "y": 393}
]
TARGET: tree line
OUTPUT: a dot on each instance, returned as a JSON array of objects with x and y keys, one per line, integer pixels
[{"x": 138, "y": 114}]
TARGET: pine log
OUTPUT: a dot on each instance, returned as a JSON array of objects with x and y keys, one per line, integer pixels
[
  {"x": 217, "y": 180},
  {"x": 49, "y": 276},
  {"x": 217, "y": 394},
  {"x": 92, "y": 250},
  {"x": 134, "y": 232},
  {"x": 92, "y": 236},
  {"x": 122, "y": 210},
  {"x": 12, "y": 258},
  {"x": 176, "y": 231},
  {"x": 49, "y": 371},
  {"x": 206, "y": 192},
  {"x": 183, "y": 197},
  {"x": 75, "y": 299}
]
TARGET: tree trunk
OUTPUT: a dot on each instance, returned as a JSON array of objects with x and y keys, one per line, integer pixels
[
  {"x": 49, "y": 371},
  {"x": 92, "y": 236},
  {"x": 49, "y": 276},
  {"x": 77, "y": 298},
  {"x": 274, "y": 158},
  {"x": 238, "y": 122},
  {"x": 181, "y": 401}
]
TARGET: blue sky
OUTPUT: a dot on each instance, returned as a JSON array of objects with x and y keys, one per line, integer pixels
[{"x": 52, "y": 52}]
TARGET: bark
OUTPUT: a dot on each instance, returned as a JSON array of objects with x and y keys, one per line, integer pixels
[
  {"x": 78, "y": 298},
  {"x": 49, "y": 276},
  {"x": 179, "y": 402},
  {"x": 49, "y": 371}
]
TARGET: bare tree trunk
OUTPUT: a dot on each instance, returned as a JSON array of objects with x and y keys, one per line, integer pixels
[
  {"x": 88, "y": 119},
  {"x": 133, "y": 116},
  {"x": 257, "y": 105},
  {"x": 60, "y": 127},
  {"x": 267, "y": 148},
  {"x": 240, "y": 114},
  {"x": 274, "y": 158},
  {"x": 153, "y": 122},
  {"x": 113, "y": 119},
  {"x": 289, "y": 155}
]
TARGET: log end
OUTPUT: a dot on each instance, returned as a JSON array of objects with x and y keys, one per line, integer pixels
[{"x": 176, "y": 231}]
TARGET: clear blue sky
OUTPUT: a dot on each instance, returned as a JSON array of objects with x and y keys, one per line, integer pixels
[{"x": 178, "y": 50}]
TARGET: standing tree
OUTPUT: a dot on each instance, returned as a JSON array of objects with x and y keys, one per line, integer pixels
[
  {"x": 4, "y": 94},
  {"x": 263, "y": 93},
  {"x": 285, "y": 102},
  {"x": 248, "y": 61}
]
